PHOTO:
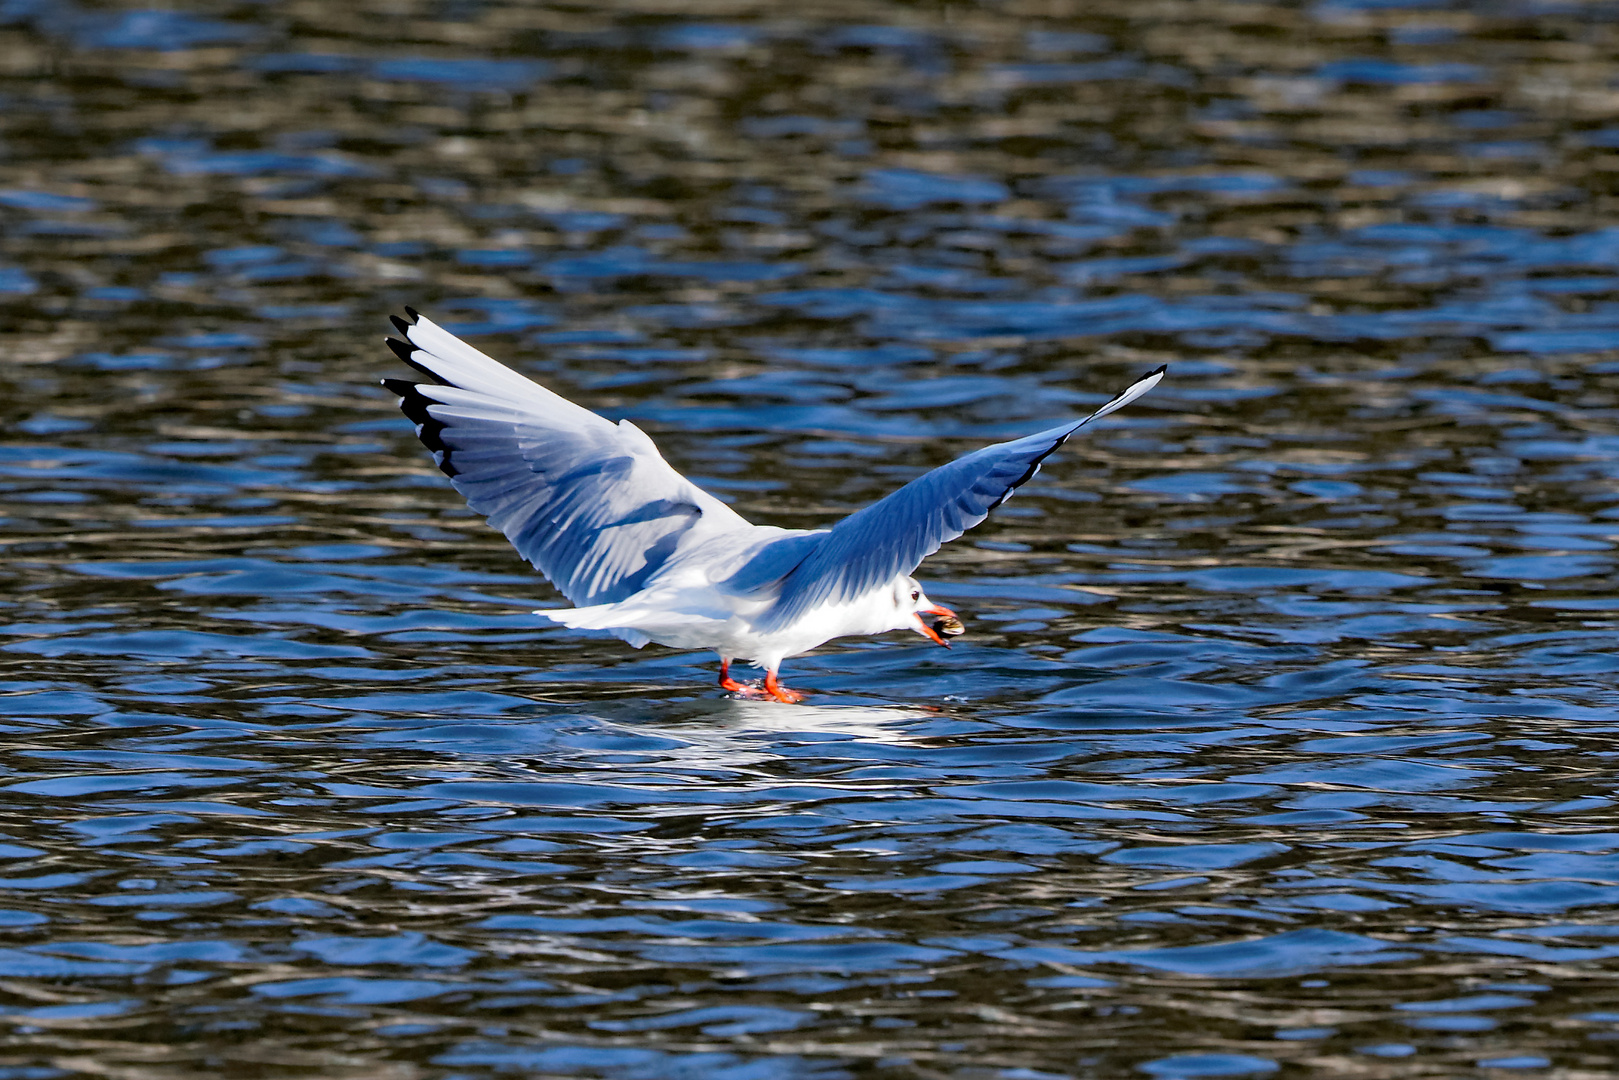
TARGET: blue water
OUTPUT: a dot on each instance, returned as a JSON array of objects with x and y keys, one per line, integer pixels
[{"x": 1282, "y": 738}]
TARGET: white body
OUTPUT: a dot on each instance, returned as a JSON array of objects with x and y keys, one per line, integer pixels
[{"x": 683, "y": 607}]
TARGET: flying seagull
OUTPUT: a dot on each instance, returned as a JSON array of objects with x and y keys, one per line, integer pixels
[{"x": 647, "y": 555}]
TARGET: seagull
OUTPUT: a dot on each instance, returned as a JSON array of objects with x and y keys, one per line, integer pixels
[{"x": 648, "y": 556}]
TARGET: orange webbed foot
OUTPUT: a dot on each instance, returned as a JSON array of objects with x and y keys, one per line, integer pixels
[
  {"x": 780, "y": 692},
  {"x": 731, "y": 686},
  {"x": 771, "y": 691}
]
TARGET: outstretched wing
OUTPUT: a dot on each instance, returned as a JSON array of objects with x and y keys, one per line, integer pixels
[
  {"x": 591, "y": 504},
  {"x": 892, "y": 536}
]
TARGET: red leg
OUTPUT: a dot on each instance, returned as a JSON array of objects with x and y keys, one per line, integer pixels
[
  {"x": 726, "y": 682},
  {"x": 780, "y": 692}
]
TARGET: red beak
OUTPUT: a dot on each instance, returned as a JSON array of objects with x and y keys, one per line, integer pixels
[{"x": 927, "y": 630}]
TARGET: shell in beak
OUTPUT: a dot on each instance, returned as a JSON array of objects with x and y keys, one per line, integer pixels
[{"x": 945, "y": 624}]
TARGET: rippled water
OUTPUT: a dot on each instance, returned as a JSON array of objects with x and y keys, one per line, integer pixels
[{"x": 1283, "y": 736}]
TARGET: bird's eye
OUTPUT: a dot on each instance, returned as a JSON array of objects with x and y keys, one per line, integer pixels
[{"x": 916, "y": 594}]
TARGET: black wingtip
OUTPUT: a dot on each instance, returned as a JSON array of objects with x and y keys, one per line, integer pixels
[
  {"x": 428, "y": 427},
  {"x": 1159, "y": 370},
  {"x": 415, "y": 316},
  {"x": 406, "y": 352},
  {"x": 400, "y": 324}
]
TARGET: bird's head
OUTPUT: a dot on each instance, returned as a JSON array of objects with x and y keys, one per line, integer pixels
[{"x": 914, "y": 611}]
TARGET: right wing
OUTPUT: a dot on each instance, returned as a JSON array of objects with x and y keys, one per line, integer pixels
[
  {"x": 591, "y": 504},
  {"x": 893, "y": 535}
]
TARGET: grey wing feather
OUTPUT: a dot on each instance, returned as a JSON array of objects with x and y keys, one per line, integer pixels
[
  {"x": 893, "y": 536},
  {"x": 591, "y": 504}
]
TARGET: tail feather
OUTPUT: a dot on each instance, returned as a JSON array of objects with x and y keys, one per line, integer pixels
[
  {"x": 633, "y": 623},
  {"x": 596, "y": 618}
]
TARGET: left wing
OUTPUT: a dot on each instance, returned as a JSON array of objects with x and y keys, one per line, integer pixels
[{"x": 590, "y": 503}]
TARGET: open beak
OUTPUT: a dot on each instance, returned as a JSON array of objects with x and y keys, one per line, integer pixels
[{"x": 944, "y": 624}]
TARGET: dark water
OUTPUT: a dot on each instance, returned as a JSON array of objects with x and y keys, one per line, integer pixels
[{"x": 1283, "y": 739}]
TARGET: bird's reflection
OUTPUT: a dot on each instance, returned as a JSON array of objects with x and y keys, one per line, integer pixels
[{"x": 741, "y": 719}]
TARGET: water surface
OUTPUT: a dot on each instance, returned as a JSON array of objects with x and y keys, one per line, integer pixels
[{"x": 1282, "y": 740}]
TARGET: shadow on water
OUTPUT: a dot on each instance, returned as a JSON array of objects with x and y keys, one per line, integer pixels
[{"x": 1282, "y": 737}]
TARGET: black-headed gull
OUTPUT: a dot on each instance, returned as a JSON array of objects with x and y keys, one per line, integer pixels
[{"x": 647, "y": 555}]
